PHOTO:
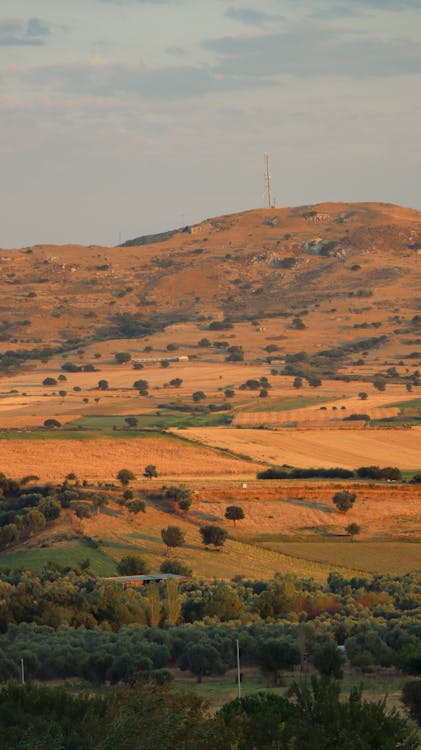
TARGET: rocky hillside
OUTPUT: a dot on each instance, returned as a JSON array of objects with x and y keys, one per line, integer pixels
[{"x": 360, "y": 262}]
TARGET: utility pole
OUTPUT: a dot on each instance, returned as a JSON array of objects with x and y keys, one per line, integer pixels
[
  {"x": 22, "y": 671},
  {"x": 238, "y": 669},
  {"x": 268, "y": 187}
]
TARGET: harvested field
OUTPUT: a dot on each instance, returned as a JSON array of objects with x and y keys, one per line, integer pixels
[
  {"x": 394, "y": 558},
  {"x": 306, "y": 508},
  {"x": 101, "y": 458},
  {"x": 319, "y": 448},
  {"x": 303, "y": 417},
  {"x": 119, "y": 536}
]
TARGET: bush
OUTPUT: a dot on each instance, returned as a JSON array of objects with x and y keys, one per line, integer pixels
[
  {"x": 122, "y": 357},
  {"x": 344, "y": 500},
  {"x": 213, "y": 535},
  {"x": 220, "y": 325},
  {"x": 49, "y": 381},
  {"x": 411, "y": 697},
  {"x": 375, "y": 472},
  {"x": 132, "y": 565},
  {"x": 125, "y": 476},
  {"x": 52, "y": 424},
  {"x": 176, "y": 567}
]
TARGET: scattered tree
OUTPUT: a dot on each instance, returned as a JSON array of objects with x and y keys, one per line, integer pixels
[
  {"x": 122, "y": 357},
  {"x": 234, "y": 513},
  {"x": 49, "y": 381},
  {"x": 136, "y": 506},
  {"x": 179, "y": 495},
  {"x": 198, "y": 396},
  {"x": 213, "y": 535},
  {"x": 344, "y": 500},
  {"x": 172, "y": 537},
  {"x": 141, "y": 385},
  {"x": 52, "y": 424},
  {"x": 150, "y": 471},
  {"x": 125, "y": 476},
  {"x": 102, "y": 385},
  {"x": 176, "y": 567},
  {"x": 379, "y": 384},
  {"x": 132, "y": 565},
  {"x": 131, "y": 421},
  {"x": 353, "y": 529}
]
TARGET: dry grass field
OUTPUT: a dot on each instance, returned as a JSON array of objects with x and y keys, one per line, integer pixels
[
  {"x": 318, "y": 448},
  {"x": 100, "y": 459}
]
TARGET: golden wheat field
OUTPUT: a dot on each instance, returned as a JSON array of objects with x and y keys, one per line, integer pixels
[
  {"x": 319, "y": 448},
  {"x": 101, "y": 459}
]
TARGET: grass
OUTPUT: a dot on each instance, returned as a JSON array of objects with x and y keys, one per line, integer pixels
[
  {"x": 70, "y": 555},
  {"x": 394, "y": 557},
  {"x": 236, "y": 558},
  {"x": 410, "y": 413},
  {"x": 219, "y": 690},
  {"x": 84, "y": 434},
  {"x": 405, "y": 406},
  {"x": 160, "y": 420},
  {"x": 280, "y": 404}
]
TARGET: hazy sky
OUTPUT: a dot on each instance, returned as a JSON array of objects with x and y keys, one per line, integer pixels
[{"x": 133, "y": 116}]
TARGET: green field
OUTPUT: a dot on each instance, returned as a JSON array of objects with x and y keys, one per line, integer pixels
[
  {"x": 281, "y": 404},
  {"x": 410, "y": 413},
  {"x": 70, "y": 555},
  {"x": 394, "y": 557},
  {"x": 161, "y": 419}
]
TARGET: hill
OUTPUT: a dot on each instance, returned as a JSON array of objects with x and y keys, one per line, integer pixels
[
  {"x": 329, "y": 262},
  {"x": 282, "y": 336}
]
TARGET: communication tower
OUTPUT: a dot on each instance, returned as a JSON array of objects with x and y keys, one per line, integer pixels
[{"x": 268, "y": 186}]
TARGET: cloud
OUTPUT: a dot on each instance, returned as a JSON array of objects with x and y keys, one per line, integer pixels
[
  {"x": 104, "y": 79},
  {"x": 136, "y": 2},
  {"x": 345, "y": 8},
  {"x": 19, "y": 32},
  {"x": 396, "y": 5},
  {"x": 307, "y": 50},
  {"x": 251, "y": 17}
]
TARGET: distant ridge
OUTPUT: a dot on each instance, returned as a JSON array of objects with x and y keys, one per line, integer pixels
[{"x": 151, "y": 239}]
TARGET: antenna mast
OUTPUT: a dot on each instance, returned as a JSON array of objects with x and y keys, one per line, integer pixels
[{"x": 268, "y": 187}]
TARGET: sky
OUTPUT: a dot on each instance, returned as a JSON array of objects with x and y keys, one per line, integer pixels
[{"x": 124, "y": 117}]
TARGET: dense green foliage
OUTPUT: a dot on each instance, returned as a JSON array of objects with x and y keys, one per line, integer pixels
[
  {"x": 72, "y": 624},
  {"x": 388, "y": 473},
  {"x": 147, "y": 716}
]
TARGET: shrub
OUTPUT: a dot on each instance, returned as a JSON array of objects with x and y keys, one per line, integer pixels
[
  {"x": 52, "y": 423},
  {"x": 132, "y": 565},
  {"x": 344, "y": 500},
  {"x": 234, "y": 513},
  {"x": 213, "y": 535},
  {"x": 125, "y": 476},
  {"x": 49, "y": 381},
  {"x": 176, "y": 567},
  {"x": 122, "y": 357}
]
